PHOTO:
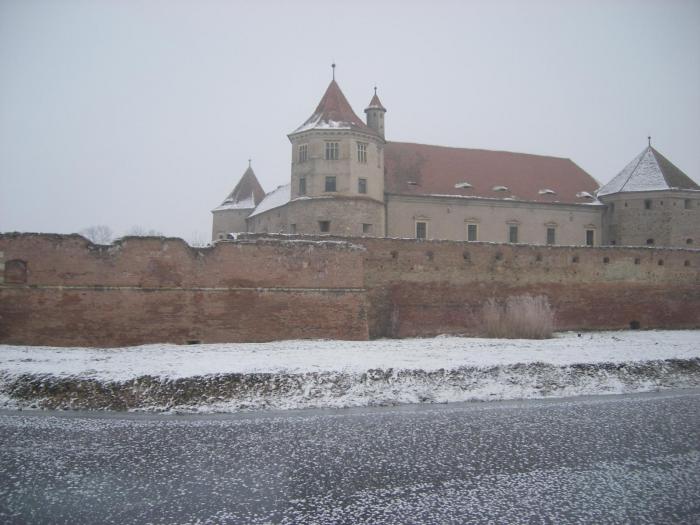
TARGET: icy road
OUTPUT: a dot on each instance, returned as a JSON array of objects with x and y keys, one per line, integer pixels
[{"x": 605, "y": 459}]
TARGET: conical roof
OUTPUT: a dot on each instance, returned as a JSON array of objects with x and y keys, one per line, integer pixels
[
  {"x": 246, "y": 195},
  {"x": 375, "y": 103},
  {"x": 334, "y": 112},
  {"x": 649, "y": 171}
]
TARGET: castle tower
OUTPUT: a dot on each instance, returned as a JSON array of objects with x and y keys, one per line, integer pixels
[
  {"x": 337, "y": 183},
  {"x": 651, "y": 202},
  {"x": 230, "y": 216},
  {"x": 375, "y": 114}
]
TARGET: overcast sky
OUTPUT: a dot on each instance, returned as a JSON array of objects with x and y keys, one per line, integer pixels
[{"x": 145, "y": 113}]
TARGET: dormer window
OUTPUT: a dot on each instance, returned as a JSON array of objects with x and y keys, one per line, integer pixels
[
  {"x": 332, "y": 151},
  {"x": 500, "y": 188},
  {"x": 462, "y": 185},
  {"x": 584, "y": 195},
  {"x": 547, "y": 191}
]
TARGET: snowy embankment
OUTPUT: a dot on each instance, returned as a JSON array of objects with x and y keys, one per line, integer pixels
[{"x": 305, "y": 374}]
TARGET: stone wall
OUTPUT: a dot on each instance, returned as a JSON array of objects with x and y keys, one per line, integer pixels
[
  {"x": 147, "y": 290},
  {"x": 64, "y": 290}
]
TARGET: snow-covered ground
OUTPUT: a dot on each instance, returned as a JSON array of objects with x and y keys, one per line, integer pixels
[{"x": 295, "y": 374}]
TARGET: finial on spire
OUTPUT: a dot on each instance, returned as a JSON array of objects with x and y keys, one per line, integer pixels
[
  {"x": 375, "y": 90},
  {"x": 333, "y": 66},
  {"x": 649, "y": 139},
  {"x": 249, "y": 161}
]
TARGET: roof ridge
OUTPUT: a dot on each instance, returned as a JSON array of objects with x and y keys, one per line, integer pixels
[
  {"x": 640, "y": 157},
  {"x": 481, "y": 149}
]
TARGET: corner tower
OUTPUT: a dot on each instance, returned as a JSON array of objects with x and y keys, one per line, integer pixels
[{"x": 337, "y": 182}]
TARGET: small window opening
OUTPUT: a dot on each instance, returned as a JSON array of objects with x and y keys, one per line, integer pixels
[
  {"x": 650, "y": 242},
  {"x": 429, "y": 255},
  {"x": 647, "y": 204},
  {"x": 466, "y": 256},
  {"x": 324, "y": 226},
  {"x": 686, "y": 263},
  {"x": 661, "y": 262},
  {"x": 606, "y": 260},
  {"x": 394, "y": 254},
  {"x": 194, "y": 342},
  {"x": 689, "y": 241},
  {"x": 499, "y": 256},
  {"x": 366, "y": 228},
  {"x": 330, "y": 184},
  {"x": 634, "y": 325},
  {"x": 575, "y": 259},
  {"x": 637, "y": 260}
]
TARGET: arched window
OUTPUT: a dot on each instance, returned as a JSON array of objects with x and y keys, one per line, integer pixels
[{"x": 16, "y": 271}]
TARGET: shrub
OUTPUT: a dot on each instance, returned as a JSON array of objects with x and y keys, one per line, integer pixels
[{"x": 521, "y": 317}]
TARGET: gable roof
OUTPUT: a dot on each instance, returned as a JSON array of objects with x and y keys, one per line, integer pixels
[
  {"x": 334, "y": 112},
  {"x": 649, "y": 171},
  {"x": 246, "y": 195},
  {"x": 421, "y": 169}
]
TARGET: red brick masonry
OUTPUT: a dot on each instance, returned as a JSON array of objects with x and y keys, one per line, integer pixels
[{"x": 64, "y": 290}]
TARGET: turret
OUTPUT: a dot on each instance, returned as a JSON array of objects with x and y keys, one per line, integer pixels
[{"x": 375, "y": 114}]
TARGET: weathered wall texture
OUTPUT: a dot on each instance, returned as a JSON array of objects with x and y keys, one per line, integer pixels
[
  {"x": 145, "y": 290},
  {"x": 63, "y": 290}
]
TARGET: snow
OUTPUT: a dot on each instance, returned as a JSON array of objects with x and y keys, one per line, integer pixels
[
  {"x": 274, "y": 199},
  {"x": 642, "y": 174},
  {"x": 300, "y": 356},
  {"x": 315, "y": 122},
  {"x": 237, "y": 205}
]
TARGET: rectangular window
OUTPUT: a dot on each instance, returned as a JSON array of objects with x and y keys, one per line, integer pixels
[
  {"x": 332, "y": 151},
  {"x": 302, "y": 185},
  {"x": 362, "y": 186},
  {"x": 471, "y": 232},
  {"x": 647, "y": 204},
  {"x": 590, "y": 237},
  {"x": 361, "y": 152},
  {"x": 686, "y": 203},
  {"x": 512, "y": 233},
  {"x": 421, "y": 230},
  {"x": 292, "y": 228},
  {"x": 303, "y": 152},
  {"x": 366, "y": 228},
  {"x": 330, "y": 184},
  {"x": 324, "y": 226},
  {"x": 551, "y": 236}
]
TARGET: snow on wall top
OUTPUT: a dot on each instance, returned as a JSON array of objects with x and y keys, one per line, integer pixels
[
  {"x": 648, "y": 171},
  {"x": 274, "y": 199}
]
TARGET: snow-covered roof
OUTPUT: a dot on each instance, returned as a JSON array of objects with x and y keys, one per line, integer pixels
[
  {"x": 648, "y": 171},
  {"x": 245, "y": 195},
  {"x": 274, "y": 199},
  {"x": 334, "y": 112}
]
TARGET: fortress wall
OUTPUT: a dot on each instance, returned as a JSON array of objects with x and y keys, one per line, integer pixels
[
  {"x": 261, "y": 288},
  {"x": 432, "y": 287},
  {"x": 148, "y": 290}
]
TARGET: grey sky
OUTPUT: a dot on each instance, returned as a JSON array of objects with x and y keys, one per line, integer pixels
[{"x": 145, "y": 113}]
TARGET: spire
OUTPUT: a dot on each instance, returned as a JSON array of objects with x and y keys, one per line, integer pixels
[
  {"x": 649, "y": 138},
  {"x": 334, "y": 112},
  {"x": 375, "y": 103},
  {"x": 247, "y": 194},
  {"x": 375, "y": 114},
  {"x": 333, "y": 66}
]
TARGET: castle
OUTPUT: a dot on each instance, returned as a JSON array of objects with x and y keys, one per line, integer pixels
[{"x": 348, "y": 180}]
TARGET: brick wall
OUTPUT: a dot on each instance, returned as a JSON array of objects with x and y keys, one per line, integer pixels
[{"x": 63, "y": 290}]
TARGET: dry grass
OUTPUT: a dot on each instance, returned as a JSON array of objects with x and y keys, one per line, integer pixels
[{"x": 521, "y": 317}]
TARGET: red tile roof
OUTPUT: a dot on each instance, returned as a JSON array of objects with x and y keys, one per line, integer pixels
[
  {"x": 420, "y": 169},
  {"x": 375, "y": 103},
  {"x": 334, "y": 112},
  {"x": 248, "y": 186}
]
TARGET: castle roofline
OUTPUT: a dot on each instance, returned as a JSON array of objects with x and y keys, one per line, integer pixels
[{"x": 334, "y": 112}]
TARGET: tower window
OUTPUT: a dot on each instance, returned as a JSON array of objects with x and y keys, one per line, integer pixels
[
  {"x": 330, "y": 184},
  {"x": 303, "y": 152},
  {"x": 361, "y": 152},
  {"x": 647, "y": 204},
  {"x": 324, "y": 226},
  {"x": 421, "y": 230},
  {"x": 302, "y": 185},
  {"x": 366, "y": 228},
  {"x": 512, "y": 233},
  {"x": 362, "y": 186},
  {"x": 551, "y": 236},
  {"x": 650, "y": 242},
  {"x": 590, "y": 237},
  {"x": 686, "y": 204},
  {"x": 332, "y": 151},
  {"x": 471, "y": 232}
]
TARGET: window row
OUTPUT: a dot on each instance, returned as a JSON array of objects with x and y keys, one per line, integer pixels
[
  {"x": 332, "y": 152},
  {"x": 512, "y": 233},
  {"x": 330, "y": 185}
]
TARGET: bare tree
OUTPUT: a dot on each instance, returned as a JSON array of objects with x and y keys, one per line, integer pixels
[{"x": 99, "y": 234}]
